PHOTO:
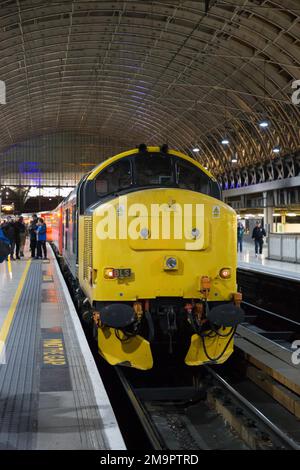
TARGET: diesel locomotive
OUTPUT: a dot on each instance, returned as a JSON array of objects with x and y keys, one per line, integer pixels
[{"x": 153, "y": 249}]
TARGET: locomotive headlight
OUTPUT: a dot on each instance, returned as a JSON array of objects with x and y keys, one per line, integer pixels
[
  {"x": 109, "y": 273},
  {"x": 145, "y": 233},
  {"x": 195, "y": 233},
  {"x": 225, "y": 273},
  {"x": 171, "y": 263}
]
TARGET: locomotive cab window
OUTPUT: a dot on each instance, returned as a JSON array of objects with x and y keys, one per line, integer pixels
[
  {"x": 192, "y": 178},
  {"x": 114, "y": 178},
  {"x": 154, "y": 170}
]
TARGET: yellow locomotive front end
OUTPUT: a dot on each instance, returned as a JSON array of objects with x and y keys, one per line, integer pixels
[{"x": 159, "y": 262}]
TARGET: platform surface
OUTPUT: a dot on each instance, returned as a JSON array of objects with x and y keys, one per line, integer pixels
[
  {"x": 248, "y": 260},
  {"x": 51, "y": 394}
]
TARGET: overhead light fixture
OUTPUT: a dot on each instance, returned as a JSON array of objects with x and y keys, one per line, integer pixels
[
  {"x": 263, "y": 124},
  {"x": 196, "y": 149},
  {"x": 276, "y": 150},
  {"x": 291, "y": 214},
  {"x": 276, "y": 215},
  {"x": 224, "y": 141}
]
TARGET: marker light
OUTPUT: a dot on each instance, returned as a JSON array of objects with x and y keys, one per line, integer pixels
[
  {"x": 195, "y": 233},
  {"x": 171, "y": 263},
  {"x": 225, "y": 273},
  {"x": 144, "y": 233}
]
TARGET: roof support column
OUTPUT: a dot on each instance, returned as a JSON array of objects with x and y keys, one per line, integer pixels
[{"x": 268, "y": 211}]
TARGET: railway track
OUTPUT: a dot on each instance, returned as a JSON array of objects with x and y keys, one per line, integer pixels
[
  {"x": 269, "y": 331},
  {"x": 271, "y": 432},
  {"x": 270, "y": 292},
  {"x": 266, "y": 318},
  {"x": 189, "y": 419}
]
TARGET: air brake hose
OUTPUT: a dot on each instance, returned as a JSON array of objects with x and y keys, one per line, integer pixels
[{"x": 222, "y": 353}]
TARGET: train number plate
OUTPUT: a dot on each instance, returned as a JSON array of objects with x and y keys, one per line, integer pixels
[{"x": 120, "y": 273}]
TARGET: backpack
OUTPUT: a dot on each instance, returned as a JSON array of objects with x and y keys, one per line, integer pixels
[{"x": 4, "y": 246}]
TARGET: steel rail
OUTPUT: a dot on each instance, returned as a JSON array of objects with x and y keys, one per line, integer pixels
[
  {"x": 153, "y": 435},
  {"x": 270, "y": 425},
  {"x": 271, "y": 313}
]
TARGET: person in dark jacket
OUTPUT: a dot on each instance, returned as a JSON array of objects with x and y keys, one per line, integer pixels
[
  {"x": 23, "y": 234},
  {"x": 9, "y": 231},
  {"x": 240, "y": 235},
  {"x": 41, "y": 235},
  {"x": 258, "y": 235},
  {"x": 32, "y": 235},
  {"x": 20, "y": 230},
  {"x": 4, "y": 246}
]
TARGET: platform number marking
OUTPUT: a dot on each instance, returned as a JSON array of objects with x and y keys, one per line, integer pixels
[{"x": 296, "y": 354}]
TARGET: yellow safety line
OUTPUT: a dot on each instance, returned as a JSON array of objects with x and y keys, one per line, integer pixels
[
  {"x": 9, "y": 266},
  {"x": 11, "y": 312}
]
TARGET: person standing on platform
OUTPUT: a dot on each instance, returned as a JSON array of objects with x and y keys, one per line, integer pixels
[
  {"x": 32, "y": 235},
  {"x": 20, "y": 229},
  {"x": 240, "y": 235},
  {"x": 23, "y": 235},
  {"x": 258, "y": 235},
  {"x": 10, "y": 232},
  {"x": 41, "y": 235},
  {"x": 4, "y": 245}
]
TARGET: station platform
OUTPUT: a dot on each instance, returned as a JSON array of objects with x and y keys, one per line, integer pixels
[
  {"x": 51, "y": 393},
  {"x": 247, "y": 260}
]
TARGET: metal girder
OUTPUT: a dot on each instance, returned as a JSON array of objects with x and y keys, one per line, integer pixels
[
  {"x": 268, "y": 186},
  {"x": 252, "y": 175},
  {"x": 261, "y": 174},
  {"x": 282, "y": 172},
  {"x": 270, "y": 171}
]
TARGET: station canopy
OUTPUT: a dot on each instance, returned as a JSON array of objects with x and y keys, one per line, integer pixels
[{"x": 86, "y": 79}]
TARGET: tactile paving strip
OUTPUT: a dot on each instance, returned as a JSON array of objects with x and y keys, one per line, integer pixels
[
  {"x": 19, "y": 377},
  {"x": 89, "y": 419}
]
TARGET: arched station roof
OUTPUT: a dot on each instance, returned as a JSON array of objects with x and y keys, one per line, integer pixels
[{"x": 184, "y": 72}]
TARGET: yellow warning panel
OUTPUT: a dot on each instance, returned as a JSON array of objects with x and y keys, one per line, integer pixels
[
  {"x": 210, "y": 349},
  {"x": 118, "y": 349}
]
